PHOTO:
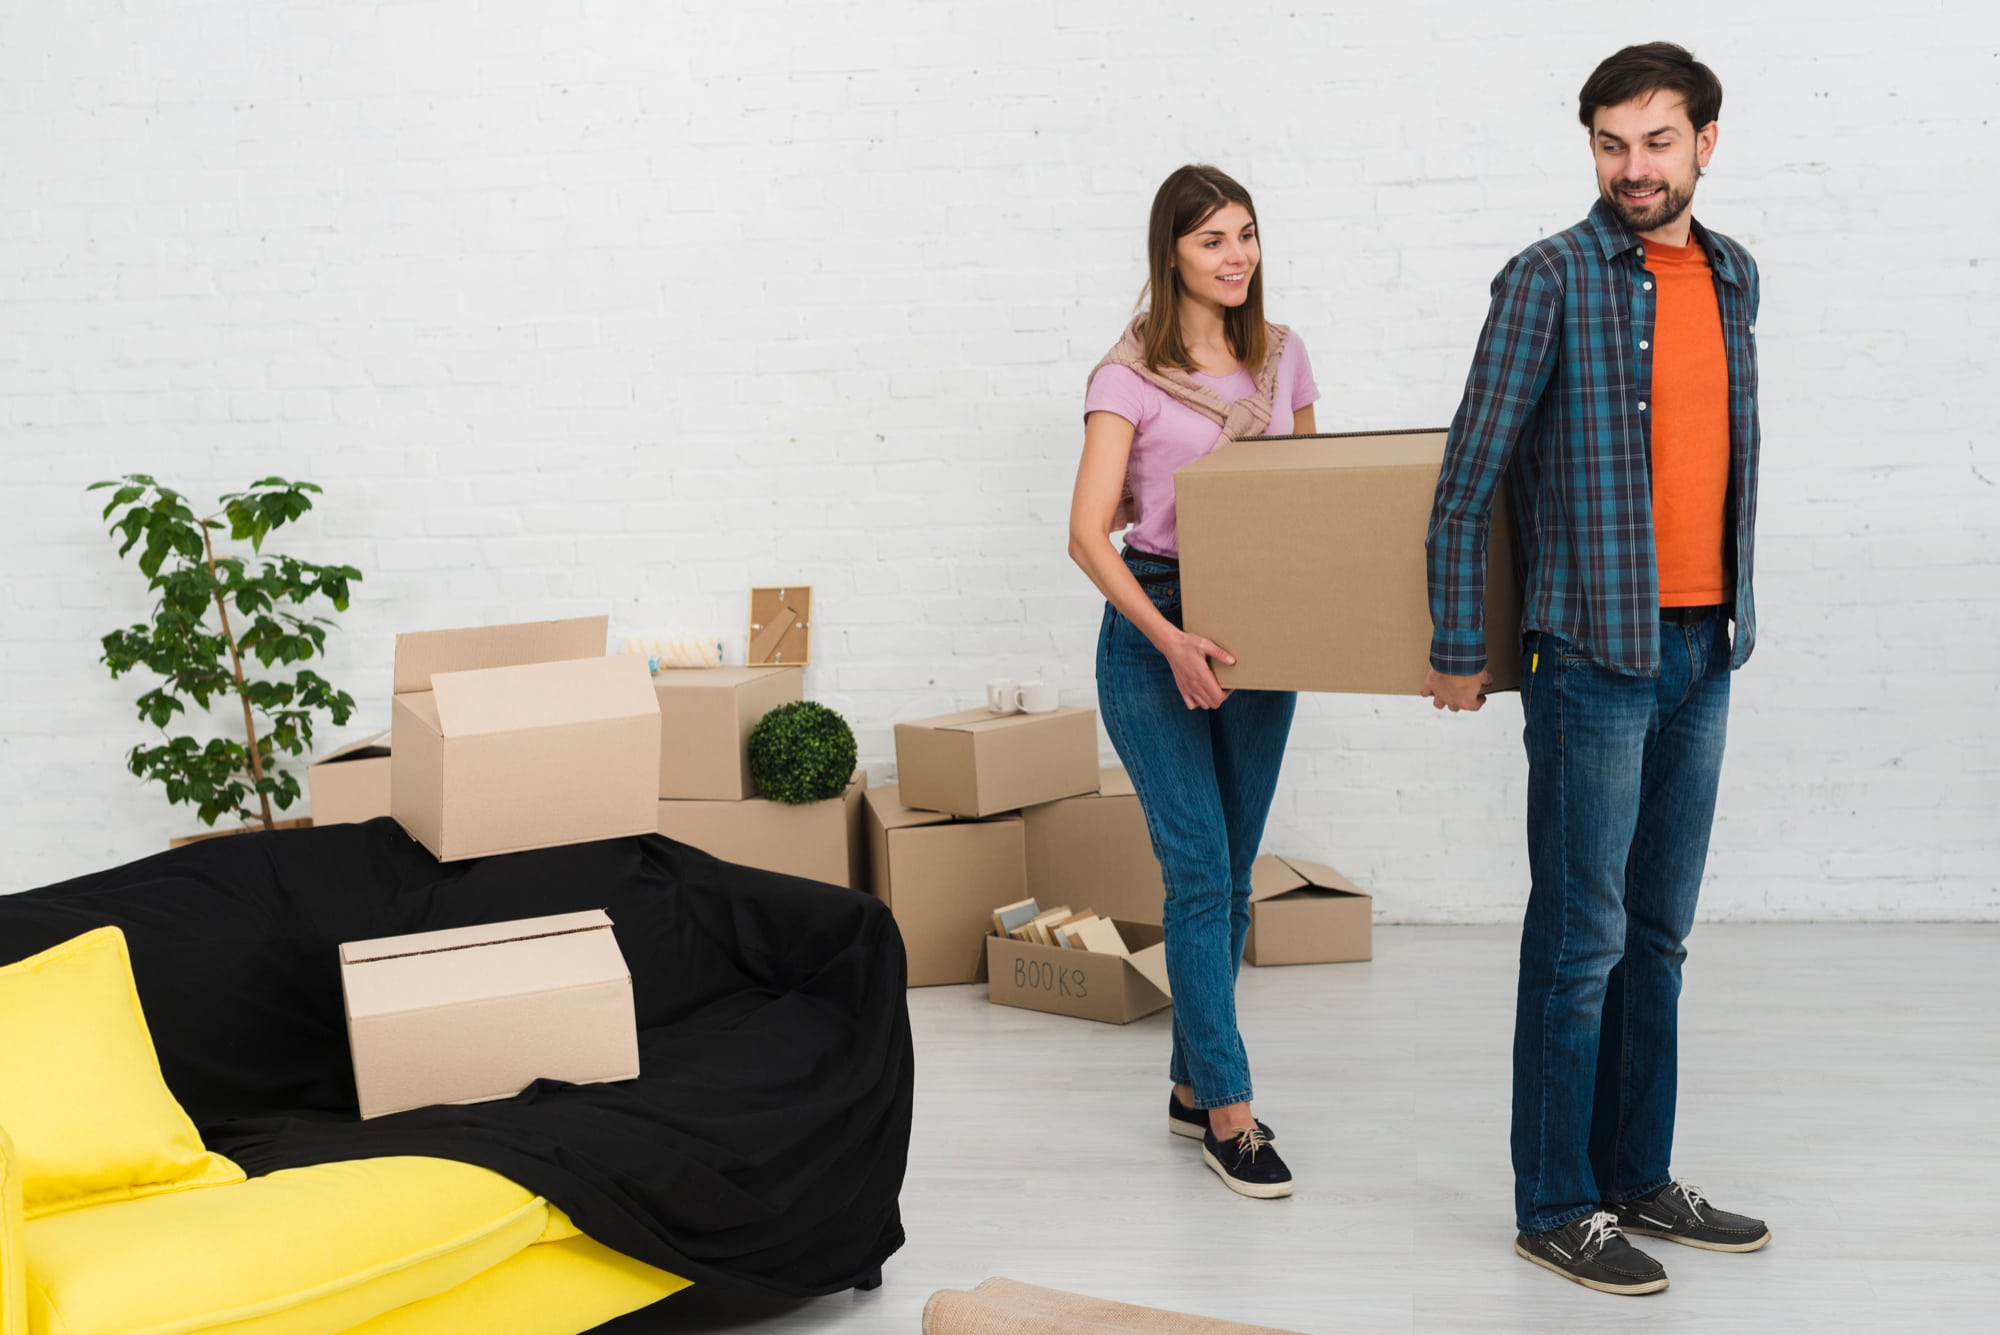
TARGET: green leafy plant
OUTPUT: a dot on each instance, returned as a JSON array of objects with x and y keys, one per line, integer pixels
[
  {"x": 802, "y": 752},
  {"x": 193, "y": 645}
]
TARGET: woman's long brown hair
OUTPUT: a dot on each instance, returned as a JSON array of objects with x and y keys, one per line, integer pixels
[{"x": 1185, "y": 201}]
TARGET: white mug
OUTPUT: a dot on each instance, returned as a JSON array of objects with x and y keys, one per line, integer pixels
[
  {"x": 1037, "y": 698},
  {"x": 1003, "y": 696}
]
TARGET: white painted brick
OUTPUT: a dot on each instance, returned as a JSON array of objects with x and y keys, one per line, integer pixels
[{"x": 583, "y": 307}]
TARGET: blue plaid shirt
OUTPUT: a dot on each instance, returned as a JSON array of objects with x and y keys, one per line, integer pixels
[{"x": 1556, "y": 402}]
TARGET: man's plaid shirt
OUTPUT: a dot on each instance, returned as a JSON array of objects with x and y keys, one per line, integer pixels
[{"x": 1557, "y": 403}]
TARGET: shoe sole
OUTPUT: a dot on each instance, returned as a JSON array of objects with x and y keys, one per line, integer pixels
[
  {"x": 1254, "y": 1190},
  {"x": 1624, "y": 1290},
  {"x": 1758, "y": 1245}
]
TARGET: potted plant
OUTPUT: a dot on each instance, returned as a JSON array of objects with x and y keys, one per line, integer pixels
[{"x": 215, "y": 622}]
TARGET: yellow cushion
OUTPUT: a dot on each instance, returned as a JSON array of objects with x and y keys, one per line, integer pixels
[
  {"x": 13, "y": 1267},
  {"x": 556, "y": 1288},
  {"x": 80, "y": 1085},
  {"x": 297, "y": 1252}
]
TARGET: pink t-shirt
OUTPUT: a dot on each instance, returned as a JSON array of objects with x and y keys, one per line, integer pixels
[{"x": 1167, "y": 434}]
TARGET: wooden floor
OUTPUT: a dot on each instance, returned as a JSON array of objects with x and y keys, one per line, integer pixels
[{"x": 1842, "y": 1081}]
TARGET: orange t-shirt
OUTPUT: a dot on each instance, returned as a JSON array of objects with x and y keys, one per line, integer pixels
[{"x": 1690, "y": 412}]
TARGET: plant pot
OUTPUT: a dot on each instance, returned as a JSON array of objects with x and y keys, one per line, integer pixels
[{"x": 303, "y": 822}]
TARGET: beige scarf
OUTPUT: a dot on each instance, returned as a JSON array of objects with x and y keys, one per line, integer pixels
[{"x": 1248, "y": 416}]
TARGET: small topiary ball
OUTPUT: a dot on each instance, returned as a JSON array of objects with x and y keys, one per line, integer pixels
[{"x": 802, "y": 752}]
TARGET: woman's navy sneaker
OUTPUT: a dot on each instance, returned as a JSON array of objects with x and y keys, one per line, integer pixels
[
  {"x": 1592, "y": 1252},
  {"x": 1193, "y": 1122},
  {"x": 1247, "y": 1164}
]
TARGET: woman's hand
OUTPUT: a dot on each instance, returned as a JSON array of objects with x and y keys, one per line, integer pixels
[{"x": 1188, "y": 656}]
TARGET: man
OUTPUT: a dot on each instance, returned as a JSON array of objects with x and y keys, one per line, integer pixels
[{"x": 1615, "y": 388}]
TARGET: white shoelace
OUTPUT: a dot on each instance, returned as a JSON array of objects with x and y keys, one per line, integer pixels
[
  {"x": 1688, "y": 1192},
  {"x": 1599, "y": 1229}
]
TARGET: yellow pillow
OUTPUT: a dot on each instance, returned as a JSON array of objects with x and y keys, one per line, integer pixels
[{"x": 80, "y": 1087}]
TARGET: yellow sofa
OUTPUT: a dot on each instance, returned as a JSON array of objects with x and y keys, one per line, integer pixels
[{"x": 116, "y": 1220}]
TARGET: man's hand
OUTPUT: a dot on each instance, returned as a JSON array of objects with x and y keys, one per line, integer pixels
[{"x": 1456, "y": 693}]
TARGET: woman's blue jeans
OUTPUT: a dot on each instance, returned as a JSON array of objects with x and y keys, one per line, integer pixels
[
  {"x": 1622, "y": 775},
  {"x": 1205, "y": 779}
]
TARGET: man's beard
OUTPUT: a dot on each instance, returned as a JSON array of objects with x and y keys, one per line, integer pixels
[{"x": 1673, "y": 202}]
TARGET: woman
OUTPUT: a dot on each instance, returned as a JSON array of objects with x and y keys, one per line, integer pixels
[{"x": 1197, "y": 368}]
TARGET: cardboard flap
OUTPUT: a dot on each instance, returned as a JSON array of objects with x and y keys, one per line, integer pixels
[
  {"x": 1271, "y": 876},
  {"x": 886, "y": 805},
  {"x": 1320, "y": 875},
  {"x": 1152, "y": 966},
  {"x": 1114, "y": 782},
  {"x": 719, "y": 678},
  {"x": 368, "y": 748},
  {"x": 420, "y": 655},
  {"x": 481, "y": 934},
  {"x": 542, "y": 695}
]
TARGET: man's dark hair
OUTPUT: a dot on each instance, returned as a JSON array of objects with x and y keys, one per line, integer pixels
[{"x": 1638, "y": 71}]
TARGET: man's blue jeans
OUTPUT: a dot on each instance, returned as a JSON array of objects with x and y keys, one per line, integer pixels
[
  {"x": 1205, "y": 779},
  {"x": 1622, "y": 777}
]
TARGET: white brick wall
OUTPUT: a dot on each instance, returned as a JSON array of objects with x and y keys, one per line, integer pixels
[{"x": 585, "y": 305}]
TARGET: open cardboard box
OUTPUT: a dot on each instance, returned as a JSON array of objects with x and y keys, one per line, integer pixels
[
  {"x": 521, "y": 736},
  {"x": 350, "y": 784},
  {"x": 1303, "y": 556},
  {"x": 1306, "y": 913},
  {"x": 941, "y": 878},
  {"x": 470, "y": 1014},
  {"x": 706, "y": 716},
  {"x": 977, "y": 763},
  {"x": 1116, "y": 989},
  {"x": 1093, "y": 851},
  {"x": 821, "y": 841}
]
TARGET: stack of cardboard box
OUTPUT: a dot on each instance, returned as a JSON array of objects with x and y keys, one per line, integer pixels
[
  {"x": 707, "y": 797},
  {"x": 503, "y": 738},
  {"x": 991, "y": 808}
]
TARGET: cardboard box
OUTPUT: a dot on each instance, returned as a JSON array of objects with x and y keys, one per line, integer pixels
[
  {"x": 941, "y": 879},
  {"x": 352, "y": 783},
  {"x": 1092, "y": 851},
  {"x": 821, "y": 841},
  {"x": 1116, "y": 989},
  {"x": 524, "y": 736},
  {"x": 706, "y": 715},
  {"x": 1305, "y": 913},
  {"x": 1303, "y": 556},
  {"x": 976, "y": 762},
  {"x": 476, "y": 1013}
]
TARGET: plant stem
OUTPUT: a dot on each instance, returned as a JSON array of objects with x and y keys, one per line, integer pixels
[{"x": 242, "y": 692}]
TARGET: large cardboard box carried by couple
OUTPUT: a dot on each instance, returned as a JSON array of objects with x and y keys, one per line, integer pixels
[{"x": 1303, "y": 556}]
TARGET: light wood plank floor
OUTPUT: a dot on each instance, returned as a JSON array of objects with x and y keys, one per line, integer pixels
[{"x": 1842, "y": 1081}]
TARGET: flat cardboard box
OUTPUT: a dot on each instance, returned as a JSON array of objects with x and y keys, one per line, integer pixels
[
  {"x": 476, "y": 1013},
  {"x": 706, "y": 715},
  {"x": 1306, "y": 913},
  {"x": 1303, "y": 556},
  {"x": 525, "y": 736},
  {"x": 1093, "y": 851},
  {"x": 977, "y": 763},
  {"x": 1116, "y": 989},
  {"x": 821, "y": 841},
  {"x": 352, "y": 783},
  {"x": 942, "y": 879}
]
